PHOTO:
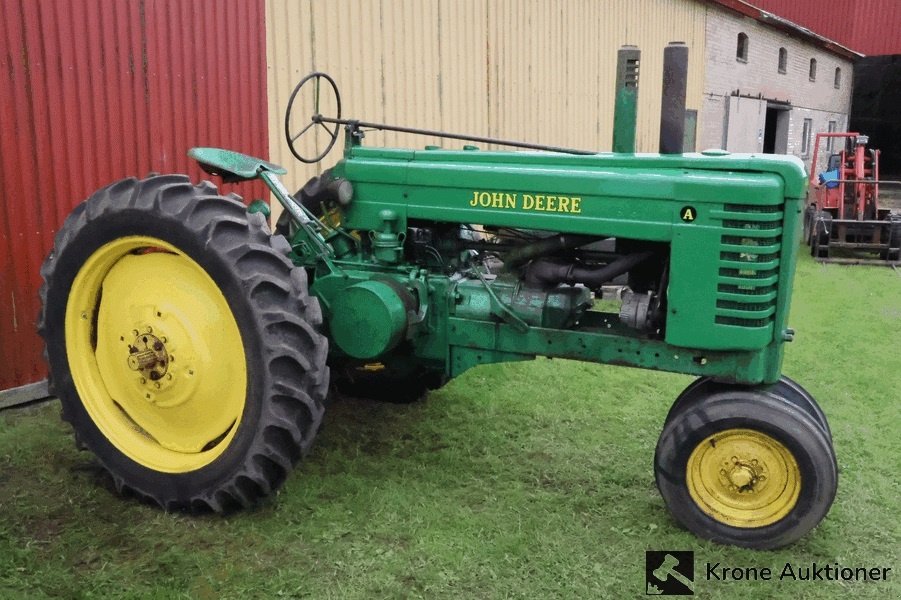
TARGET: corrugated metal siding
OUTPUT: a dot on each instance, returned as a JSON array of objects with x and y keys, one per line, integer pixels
[
  {"x": 553, "y": 66},
  {"x": 867, "y": 26},
  {"x": 93, "y": 91},
  {"x": 523, "y": 69}
]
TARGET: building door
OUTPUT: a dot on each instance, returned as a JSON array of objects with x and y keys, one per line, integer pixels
[{"x": 745, "y": 123}]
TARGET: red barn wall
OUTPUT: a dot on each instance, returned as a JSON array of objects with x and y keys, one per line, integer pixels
[
  {"x": 867, "y": 26},
  {"x": 97, "y": 90}
]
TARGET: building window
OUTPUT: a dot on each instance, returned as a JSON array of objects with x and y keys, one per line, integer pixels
[
  {"x": 831, "y": 129},
  {"x": 837, "y": 83},
  {"x": 741, "y": 50},
  {"x": 805, "y": 137},
  {"x": 783, "y": 59},
  {"x": 813, "y": 69}
]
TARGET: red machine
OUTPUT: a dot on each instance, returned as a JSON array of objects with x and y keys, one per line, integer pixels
[{"x": 845, "y": 222}]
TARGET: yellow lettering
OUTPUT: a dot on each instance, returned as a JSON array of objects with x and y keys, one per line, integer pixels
[
  {"x": 688, "y": 214},
  {"x": 547, "y": 203}
]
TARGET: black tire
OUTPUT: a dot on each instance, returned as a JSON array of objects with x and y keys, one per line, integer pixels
[
  {"x": 808, "y": 223},
  {"x": 280, "y": 408},
  {"x": 785, "y": 388},
  {"x": 723, "y": 413},
  {"x": 821, "y": 229},
  {"x": 311, "y": 196},
  {"x": 792, "y": 391},
  {"x": 894, "y": 239}
]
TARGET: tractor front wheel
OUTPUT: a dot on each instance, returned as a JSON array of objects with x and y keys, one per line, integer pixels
[
  {"x": 786, "y": 389},
  {"x": 746, "y": 467},
  {"x": 182, "y": 344}
]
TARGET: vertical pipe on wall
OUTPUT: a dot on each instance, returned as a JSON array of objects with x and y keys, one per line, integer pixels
[
  {"x": 672, "y": 104},
  {"x": 625, "y": 111}
]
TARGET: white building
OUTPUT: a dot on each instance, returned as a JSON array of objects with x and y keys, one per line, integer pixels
[{"x": 770, "y": 85}]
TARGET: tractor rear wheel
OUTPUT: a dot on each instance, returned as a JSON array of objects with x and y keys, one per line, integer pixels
[
  {"x": 182, "y": 344},
  {"x": 746, "y": 467}
]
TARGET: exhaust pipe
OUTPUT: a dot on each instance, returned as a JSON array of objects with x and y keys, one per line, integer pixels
[{"x": 672, "y": 106}]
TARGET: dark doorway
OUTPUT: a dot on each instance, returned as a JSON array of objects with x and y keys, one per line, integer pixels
[
  {"x": 775, "y": 130},
  {"x": 769, "y": 132}
]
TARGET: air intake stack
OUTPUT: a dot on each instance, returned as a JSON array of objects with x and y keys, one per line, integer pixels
[{"x": 625, "y": 110}]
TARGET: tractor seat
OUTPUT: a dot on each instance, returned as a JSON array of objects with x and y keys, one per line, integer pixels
[{"x": 231, "y": 166}]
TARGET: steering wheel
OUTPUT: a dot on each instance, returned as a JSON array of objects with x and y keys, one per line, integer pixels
[{"x": 304, "y": 105}]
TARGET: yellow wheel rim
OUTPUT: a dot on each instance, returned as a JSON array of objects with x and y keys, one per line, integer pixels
[
  {"x": 743, "y": 478},
  {"x": 155, "y": 354}
]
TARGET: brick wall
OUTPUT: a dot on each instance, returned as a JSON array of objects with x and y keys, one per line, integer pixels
[{"x": 817, "y": 100}]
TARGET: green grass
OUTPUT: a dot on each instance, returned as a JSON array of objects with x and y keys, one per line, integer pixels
[{"x": 521, "y": 480}]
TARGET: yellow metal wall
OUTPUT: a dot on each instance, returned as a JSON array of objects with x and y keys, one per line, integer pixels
[{"x": 535, "y": 70}]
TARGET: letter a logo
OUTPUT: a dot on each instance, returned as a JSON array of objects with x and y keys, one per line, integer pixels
[{"x": 688, "y": 214}]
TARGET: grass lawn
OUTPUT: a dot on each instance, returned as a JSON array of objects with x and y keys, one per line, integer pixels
[{"x": 521, "y": 480}]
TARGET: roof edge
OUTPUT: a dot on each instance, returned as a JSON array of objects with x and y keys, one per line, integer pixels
[{"x": 767, "y": 18}]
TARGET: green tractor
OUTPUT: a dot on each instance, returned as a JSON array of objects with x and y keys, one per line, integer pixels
[{"x": 192, "y": 349}]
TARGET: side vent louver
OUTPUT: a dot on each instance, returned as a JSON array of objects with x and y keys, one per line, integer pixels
[{"x": 749, "y": 265}]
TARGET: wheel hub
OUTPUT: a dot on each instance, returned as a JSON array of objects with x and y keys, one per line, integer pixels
[
  {"x": 742, "y": 476},
  {"x": 150, "y": 359},
  {"x": 147, "y": 355}
]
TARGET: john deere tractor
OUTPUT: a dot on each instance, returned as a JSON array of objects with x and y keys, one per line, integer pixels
[{"x": 192, "y": 348}]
